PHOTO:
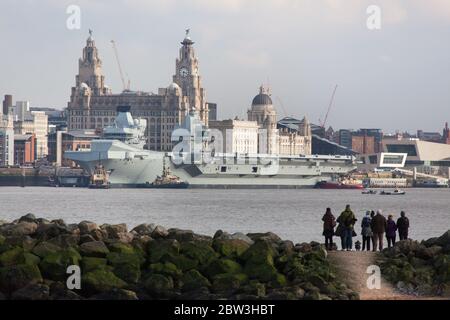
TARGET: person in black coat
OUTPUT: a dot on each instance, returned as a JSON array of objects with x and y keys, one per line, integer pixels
[{"x": 403, "y": 226}]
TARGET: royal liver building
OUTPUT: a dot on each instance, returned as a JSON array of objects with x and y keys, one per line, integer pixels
[{"x": 93, "y": 106}]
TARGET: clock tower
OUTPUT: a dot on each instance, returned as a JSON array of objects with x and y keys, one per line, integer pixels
[{"x": 188, "y": 78}]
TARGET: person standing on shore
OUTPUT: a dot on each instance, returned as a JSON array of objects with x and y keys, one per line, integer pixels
[
  {"x": 329, "y": 222},
  {"x": 346, "y": 221},
  {"x": 366, "y": 231},
  {"x": 403, "y": 226},
  {"x": 391, "y": 231},
  {"x": 378, "y": 228},
  {"x": 372, "y": 214}
]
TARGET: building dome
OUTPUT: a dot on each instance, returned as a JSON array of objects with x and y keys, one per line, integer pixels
[{"x": 262, "y": 99}]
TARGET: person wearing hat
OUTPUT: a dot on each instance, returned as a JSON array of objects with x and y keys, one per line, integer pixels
[
  {"x": 378, "y": 228},
  {"x": 366, "y": 231},
  {"x": 391, "y": 231}
]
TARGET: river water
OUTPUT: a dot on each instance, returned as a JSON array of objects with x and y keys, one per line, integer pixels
[{"x": 292, "y": 214}]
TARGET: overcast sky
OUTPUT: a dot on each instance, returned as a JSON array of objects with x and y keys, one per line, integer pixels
[{"x": 397, "y": 77}]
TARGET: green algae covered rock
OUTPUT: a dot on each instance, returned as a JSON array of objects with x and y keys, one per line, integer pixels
[
  {"x": 156, "y": 249},
  {"x": 180, "y": 261},
  {"x": 158, "y": 284},
  {"x": 166, "y": 268},
  {"x": 100, "y": 280},
  {"x": 199, "y": 251},
  {"x": 126, "y": 266},
  {"x": 54, "y": 265},
  {"x": 17, "y": 256},
  {"x": 230, "y": 248},
  {"x": 45, "y": 248},
  {"x": 90, "y": 263},
  {"x": 221, "y": 266},
  {"x": 15, "y": 277},
  {"x": 228, "y": 282},
  {"x": 193, "y": 279}
]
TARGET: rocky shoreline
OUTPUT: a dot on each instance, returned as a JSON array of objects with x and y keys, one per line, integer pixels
[
  {"x": 419, "y": 268},
  {"x": 152, "y": 262}
]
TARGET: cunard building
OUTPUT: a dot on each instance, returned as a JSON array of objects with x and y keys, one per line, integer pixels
[{"x": 93, "y": 105}]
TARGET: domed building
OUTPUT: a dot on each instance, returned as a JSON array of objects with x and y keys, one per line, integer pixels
[
  {"x": 263, "y": 112},
  {"x": 278, "y": 141}
]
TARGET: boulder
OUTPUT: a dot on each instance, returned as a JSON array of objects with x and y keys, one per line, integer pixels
[
  {"x": 86, "y": 227},
  {"x": 65, "y": 240},
  {"x": 144, "y": 229},
  {"x": 221, "y": 266},
  {"x": 99, "y": 235},
  {"x": 54, "y": 265},
  {"x": 232, "y": 248},
  {"x": 180, "y": 235},
  {"x": 444, "y": 240},
  {"x": 159, "y": 285},
  {"x": 50, "y": 230},
  {"x": 44, "y": 248},
  {"x": 181, "y": 262},
  {"x": 100, "y": 280},
  {"x": 115, "y": 230},
  {"x": 90, "y": 264},
  {"x": 193, "y": 280},
  {"x": 159, "y": 232},
  {"x": 20, "y": 229},
  {"x": 86, "y": 238},
  {"x": 34, "y": 291},
  {"x": 199, "y": 251},
  {"x": 254, "y": 287},
  {"x": 127, "y": 266},
  {"x": 28, "y": 218},
  {"x": 17, "y": 256},
  {"x": 269, "y": 236},
  {"x": 228, "y": 283},
  {"x": 158, "y": 248},
  {"x": 166, "y": 269},
  {"x": 428, "y": 253},
  {"x": 96, "y": 249},
  {"x": 15, "y": 277},
  {"x": 259, "y": 263}
]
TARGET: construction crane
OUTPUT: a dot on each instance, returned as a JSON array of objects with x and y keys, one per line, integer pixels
[
  {"x": 126, "y": 86},
  {"x": 322, "y": 124}
]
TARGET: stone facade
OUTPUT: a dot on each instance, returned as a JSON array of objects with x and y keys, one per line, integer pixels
[
  {"x": 238, "y": 136},
  {"x": 93, "y": 105}
]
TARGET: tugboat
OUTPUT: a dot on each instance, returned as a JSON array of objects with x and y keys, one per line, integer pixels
[
  {"x": 369, "y": 192},
  {"x": 99, "y": 179},
  {"x": 167, "y": 180}
]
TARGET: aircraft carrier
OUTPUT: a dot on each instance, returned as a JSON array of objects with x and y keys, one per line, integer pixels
[{"x": 121, "y": 152}]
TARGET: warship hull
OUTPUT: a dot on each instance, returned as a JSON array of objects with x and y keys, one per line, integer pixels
[{"x": 129, "y": 167}]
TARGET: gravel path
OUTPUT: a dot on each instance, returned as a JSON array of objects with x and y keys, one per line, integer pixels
[{"x": 352, "y": 267}]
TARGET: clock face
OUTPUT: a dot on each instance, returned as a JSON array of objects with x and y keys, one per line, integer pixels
[{"x": 184, "y": 72}]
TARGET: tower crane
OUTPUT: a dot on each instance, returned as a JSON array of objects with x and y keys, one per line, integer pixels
[
  {"x": 126, "y": 86},
  {"x": 322, "y": 124}
]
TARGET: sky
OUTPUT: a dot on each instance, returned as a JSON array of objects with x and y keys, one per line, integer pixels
[{"x": 395, "y": 78}]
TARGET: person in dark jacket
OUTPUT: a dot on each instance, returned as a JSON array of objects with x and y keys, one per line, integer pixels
[
  {"x": 403, "y": 226},
  {"x": 378, "y": 228},
  {"x": 391, "y": 231},
  {"x": 372, "y": 214},
  {"x": 366, "y": 231},
  {"x": 346, "y": 223},
  {"x": 329, "y": 222}
]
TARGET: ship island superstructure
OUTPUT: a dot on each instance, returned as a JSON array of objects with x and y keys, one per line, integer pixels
[{"x": 121, "y": 152}]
